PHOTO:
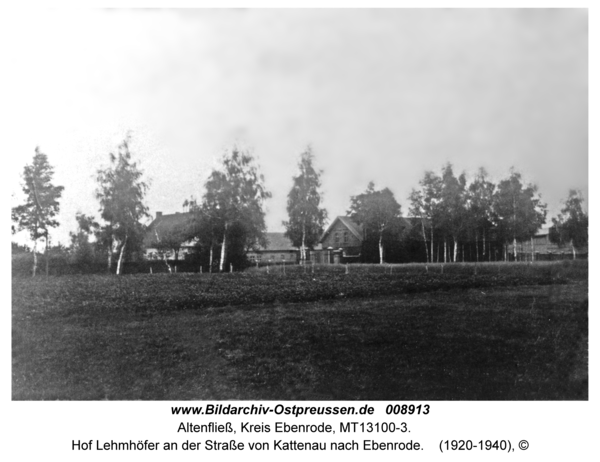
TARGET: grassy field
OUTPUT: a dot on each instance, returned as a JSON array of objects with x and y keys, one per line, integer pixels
[{"x": 500, "y": 331}]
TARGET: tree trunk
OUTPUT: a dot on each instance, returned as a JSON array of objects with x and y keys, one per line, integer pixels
[
  {"x": 532, "y": 251},
  {"x": 484, "y": 244},
  {"x": 222, "y": 262},
  {"x": 167, "y": 262},
  {"x": 210, "y": 258},
  {"x": 445, "y": 250},
  {"x": 574, "y": 250},
  {"x": 34, "y": 258},
  {"x": 46, "y": 254},
  {"x": 380, "y": 249},
  {"x": 425, "y": 240},
  {"x": 121, "y": 253},
  {"x": 432, "y": 245},
  {"x": 514, "y": 227},
  {"x": 477, "y": 247},
  {"x": 110, "y": 252},
  {"x": 303, "y": 246},
  {"x": 455, "y": 249}
]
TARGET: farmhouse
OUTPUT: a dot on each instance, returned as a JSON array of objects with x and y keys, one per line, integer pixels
[
  {"x": 164, "y": 237},
  {"x": 279, "y": 250},
  {"x": 342, "y": 241},
  {"x": 543, "y": 249}
]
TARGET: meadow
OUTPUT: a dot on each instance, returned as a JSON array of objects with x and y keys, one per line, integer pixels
[{"x": 491, "y": 331}]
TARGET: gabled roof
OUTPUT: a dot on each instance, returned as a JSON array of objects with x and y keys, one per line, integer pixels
[
  {"x": 349, "y": 223},
  {"x": 357, "y": 230},
  {"x": 164, "y": 224},
  {"x": 278, "y": 242}
]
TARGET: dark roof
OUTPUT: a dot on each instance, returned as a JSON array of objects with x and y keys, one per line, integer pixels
[
  {"x": 277, "y": 242},
  {"x": 164, "y": 224},
  {"x": 349, "y": 223},
  {"x": 357, "y": 230}
]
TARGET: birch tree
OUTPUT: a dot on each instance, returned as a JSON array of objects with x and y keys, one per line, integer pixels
[
  {"x": 571, "y": 225},
  {"x": 234, "y": 199},
  {"x": 425, "y": 204},
  {"x": 121, "y": 194},
  {"x": 205, "y": 226},
  {"x": 452, "y": 208},
  {"x": 38, "y": 214},
  {"x": 480, "y": 195},
  {"x": 168, "y": 241},
  {"x": 306, "y": 216},
  {"x": 378, "y": 213},
  {"x": 519, "y": 210}
]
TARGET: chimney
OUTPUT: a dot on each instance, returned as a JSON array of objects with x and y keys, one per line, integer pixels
[{"x": 158, "y": 215}]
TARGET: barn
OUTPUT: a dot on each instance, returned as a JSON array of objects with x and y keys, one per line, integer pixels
[
  {"x": 279, "y": 249},
  {"x": 168, "y": 229},
  {"x": 542, "y": 249}
]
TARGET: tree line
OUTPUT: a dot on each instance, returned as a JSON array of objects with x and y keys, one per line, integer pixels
[
  {"x": 460, "y": 220},
  {"x": 446, "y": 214},
  {"x": 453, "y": 212}
]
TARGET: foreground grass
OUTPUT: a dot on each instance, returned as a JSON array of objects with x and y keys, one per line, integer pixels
[{"x": 73, "y": 340}]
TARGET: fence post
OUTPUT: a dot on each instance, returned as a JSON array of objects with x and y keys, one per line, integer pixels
[
  {"x": 346, "y": 268},
  {"x": 200, "y": 269},
  {"x": 150, "y": 270},
  {"x": 175, "y": 268},
  {"x": 231, "y": 267}
]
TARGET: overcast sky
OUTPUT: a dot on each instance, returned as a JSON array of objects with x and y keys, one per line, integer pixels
[{"x": 381, "y": 95}]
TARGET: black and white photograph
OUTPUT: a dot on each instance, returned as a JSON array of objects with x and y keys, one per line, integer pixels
[{"x": 298, "y": 204}]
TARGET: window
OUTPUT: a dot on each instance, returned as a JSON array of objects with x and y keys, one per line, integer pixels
[
  {"x": 283, "y": 256},
  {"x": 336, "y": 238},
  {"x": 345, "y": 237}
]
